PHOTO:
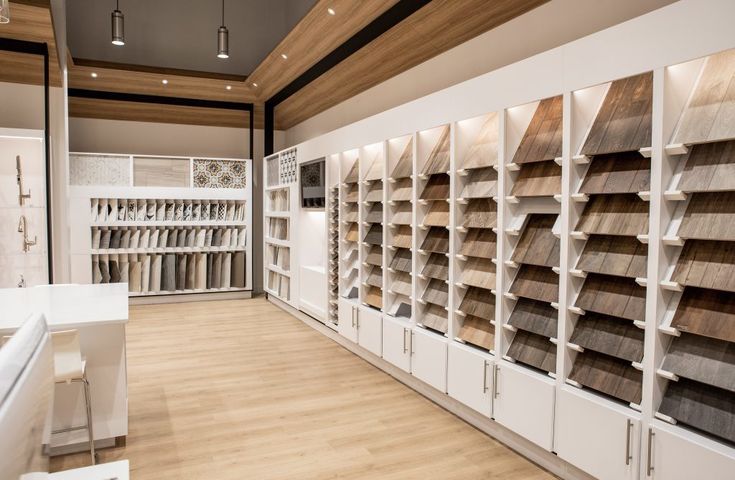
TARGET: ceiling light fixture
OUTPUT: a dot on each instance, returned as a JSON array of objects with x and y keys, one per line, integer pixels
[
  {"x": 164, "y": 81},
  {"x": 284, "y": 56},
  {"x": 331, "y": 11},
  {"x": 229, "y": 87},
  {"x": 118, "y": 25},
  {"x": 94, "y": 75},
  {"x": 4, "y": 11},
  {"x": 255, "y": 85},
  {"x": 223, "y": 50}
]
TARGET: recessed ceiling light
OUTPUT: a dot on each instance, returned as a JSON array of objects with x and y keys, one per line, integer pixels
[
  {"x": 284, "y": 56},
  {"x": 255, "y": 84},
  {"x": 229, "y": 87},
  {"x": 93, "y": 74},
  {"x": 164, "y": 81},
  {"x": 331, "y": 11}
]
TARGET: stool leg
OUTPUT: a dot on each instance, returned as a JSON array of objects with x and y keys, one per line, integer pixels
[{"x": 90, "y": 430}]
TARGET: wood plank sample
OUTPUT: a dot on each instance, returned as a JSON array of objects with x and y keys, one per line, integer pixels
[
  {"x": 538, "y": 245},
  {"x": 619, "y": 214},
  {"x": 374, "y": 236},
  {"x": 616, "y": 296},
  {"x": 437, "y": 266},
  {"x": 481, "y": 183},
  {"x": 536, "y": 317},
  {"x": 161, "y": 172},
  {"x": 401, "y": 284},
  {"x": 376, "y": 169},
  {"x": 710, "y": 167},
  {"x": 374, "y": 192},
  {"x": 706, "y": 408},
  {"x": 708, "y": 115},
  {"x": 374, "y": 297},
  {"x": 623, "y": 123},
  {"x": 609, "y": 335},
  {"x": 401, "y": 237},
  {"x": 484, "y": 150},
  {"x": 706, "y": 264},
  {"x": 438, "y": 214},
  {"x": 539, "y": 179},
  {"x": 350, "y": 216},
  {"x": 479, "y": 242},
  {"x": 542, "y": 139},
  {"x": 375, "y": 214},
  {"x": 478, "y": 272},
  {"x": 480, "y": 213},
  {"x": 478, "y": 332},
  {"x": 375, "y": 278},
  {"x": 436, "y": 292},
  {"x": 352, "y": 233},
  {"x": 435, "y": 317},
  {"x": 620, "y": 256},
  {"x": 437, "y": 240},
  {"x": 709, "y": 216},
  {"x": 626, "y": 172},
  {"x": 353, "y": 194},
  {"x": 534, "y": 350},
  {"x": 402, "y": 214},
  {"x": 353, "y": 174},
  {"x": 402, "y": 191},
  {"x": 437, "y": 187},
  {"x": 710, "y": 313},
  {"x": 438, "y": 161},
  {"x": 404, "y": 166},
  {"x": 608, "y": 375},
  {"x": 537, "y": 283},
  {"x": 401, "y": 261},
  {"x": 478, "y": 302},
  {"x": 706, "y": 360},
  {"x": 374, "y": 256}
]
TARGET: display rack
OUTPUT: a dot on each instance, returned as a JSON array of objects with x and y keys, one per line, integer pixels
[
  {"x": 371, "y": 218},
  {"x": 350, "y": 226},
  {"x": 333, "y": 242}
]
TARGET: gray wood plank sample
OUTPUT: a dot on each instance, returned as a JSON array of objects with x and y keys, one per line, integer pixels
[
  {"x": 534, "y": 350},
  {"x": 710, "y": 167},
  {"x": 434, "y": 317},
  {"x": 161, "y": 172},
  {"x": 608, "y": 375},
  {"x": 709, "y": 216},
  {"x": 404, "y": 166},
  {"x": 481, "y": 183},
  {"x": 536, "y": 317},
  {"x": 628, "y": 172},
  {"x": 706, "y": 312},
  {"x": 401, "y": 260},
  {"x": 609, "y": 335},
  {"x": 542, "y": 139},
  {"x": 538, "y": 245},
  {"x": 616, "y": 296},
  {"x": 703, "y": 359},
  {"x": 484, "y": 150},
  {"x": 438, "y": 160},
  {"x": 706, "y": 408},
  {"x": 537, "y": 283},
  {"x": 706, "y": 264},
  {"x": 619, "y": 256},
  {"x": 617, "y": 214}
]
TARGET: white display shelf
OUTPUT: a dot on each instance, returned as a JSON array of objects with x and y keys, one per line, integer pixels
[
  {"x": 116, "y": 251},
  {"x": 180, "y": 223}
]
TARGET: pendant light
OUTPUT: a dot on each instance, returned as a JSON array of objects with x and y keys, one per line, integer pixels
[
  {"x": 223, "y": 47},
  {"x": 4, "y": 11},
  {"x": 118, "y": 26}
]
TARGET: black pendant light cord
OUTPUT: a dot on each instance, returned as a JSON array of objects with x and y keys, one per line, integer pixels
[
  {"x": 223, "y": 13},
  {"x": 117, "y": 5}
]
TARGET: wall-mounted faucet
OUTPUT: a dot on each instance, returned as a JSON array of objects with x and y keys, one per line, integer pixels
[
  {"x": 19, "y": 178},
  {"x": 23, "y": 228}
]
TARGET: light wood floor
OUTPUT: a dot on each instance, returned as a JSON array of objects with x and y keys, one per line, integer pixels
[{"x": 242, "y": 390}]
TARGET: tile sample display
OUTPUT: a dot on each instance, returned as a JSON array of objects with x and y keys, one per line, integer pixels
[
  {"x": 112, "y": 170},
  {"x": 539, "y": 179},
  {"x": 164, "y": 172}
]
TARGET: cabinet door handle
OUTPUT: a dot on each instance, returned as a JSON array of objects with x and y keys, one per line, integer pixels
[
  {"x": 496, "y": 369},
  {"x": 649, "y": 459},
  {"x": 357, "y": 318},
  {"x": 484, "y": 376},
  {"x": 411, "y": 346},
  {"x": 628, "y": 456},
  {"x": 405, "y": 347},
  {"x": 353, "y": 317}
]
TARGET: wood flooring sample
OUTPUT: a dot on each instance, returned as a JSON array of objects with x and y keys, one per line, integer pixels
[
  {"x": 478, "y": 332},
  {"x": 161, "y": 172},
  {"x": 627, "y": 172},
  {"x": 609, "y": 335},
  {"x": 542, "y": 140},
  {"x": 616, "y": 296},
  {"x": 376, "y": 169},
  {"x": 710, "y": 313},
  {"x": 437, "y": 266},
  {"x": 710, "y": 167},
  {"x": 538, "y": 245},
  {"x": 619, "y": 214},
  {"x": 436, "y": 240},
  {"x": 401, "y": 214},
  {"x": 374, "y": 236},
  {"x": 374, "y": 256},
  {"x": 374, "y": 192},
  {"x": 438, "y": 161},
  {"x": 608, "y": 375},
  {"x": 375, "y": 278},
  {"x": 375, "y": 215},
  {"x": 533, "y": 350},
  {"x": 353, "y": 174},
  {"x": 706, "y": 360},
  {"x": 353, "y": 194},
  {"x": 478, "y": 272},
  {"x": 484, "y": 150},
  {"x": 352, "y": 233},
  {"x": 706, "y": 264},
  {"x": 480, "y": 213},
  {"x": 479, "y": 242},
  {"x": 374, "y": 297},
  {"x": 619, "y": 256},
  {"x": 437, "y": 187},
  {"x": 402, "y": 191},
  {"x": 535, "y": 317},
  {"x": 438, "y": 214},
  {"x": 401, "y": 284},
  {"x": 536, "y": 283},
  {"x": 401, "y": 237},
  {"x": 540, "y": 179},
  {"x": 436, "y": 292},
  {"x": 706, "y": 408},
  {"x": 401, "y": 261},
  {"x": 481, "y": 183},
  {"x": 350, "y": 216},
  {"x": 435, "y": 318},
  {"x": 709, "y": 216},
  {"x": 404, "y": 166},
  {"x": 623, "y": 123},
  {"x": 478, "y": 302}
]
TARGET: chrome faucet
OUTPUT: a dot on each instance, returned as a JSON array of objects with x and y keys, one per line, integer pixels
[
  {"x": 19, "y": 178},
  {"x": 22, "y": 283},
  {"x": 23, "y": 228}
]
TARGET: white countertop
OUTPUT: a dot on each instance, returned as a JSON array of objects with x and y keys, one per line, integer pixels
[
  {"x": 105, "y": 471},
  {"x": 65, "y": 306}
]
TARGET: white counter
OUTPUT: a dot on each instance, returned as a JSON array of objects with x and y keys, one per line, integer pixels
[{"x": 105, "y": 471}]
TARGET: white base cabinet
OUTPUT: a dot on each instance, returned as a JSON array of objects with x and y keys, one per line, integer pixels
[
  {"x": 429, "y": 358},
  {"x": 470, "y": 377},
  {"x": 598, "y": 437},
  {"x": 347, "y": 326},
  {"x": 396, "y": 343},
  {"x": 370, "y": 330}
]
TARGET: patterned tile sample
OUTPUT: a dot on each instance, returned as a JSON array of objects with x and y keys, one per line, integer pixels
[
  {"x": 99, "y": 170},
  {"x": 219, "y": 174}
]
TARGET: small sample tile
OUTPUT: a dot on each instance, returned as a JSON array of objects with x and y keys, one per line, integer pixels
[
  {"x": 481, "y": 183},
  {"x": 709, "y": 216},
  {"x": 478, "y": 302},
  {"x": 220, "y": 174},
  {"x": 102, "y": 170},
  {"x": 538, "y": 179},
  {"x": 438, "y": 161},
  {"x": 479, "y": 242},
  {"x": 706, "y": 264},
  {"x": 161, "y": 172},
  {"x": 710, "y": 167}
]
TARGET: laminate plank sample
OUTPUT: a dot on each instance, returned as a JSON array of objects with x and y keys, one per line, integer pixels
[
  {"x": 353, "y": 194},
  {"x": 709, "y": 409},
  {"x": 435, "y": 318},
  {"x": 438, "y": 161},
  {"x": 401, "y": 284},
  {"x": 350, "y": 215},
  {"x": 478, "y": 272},
  {"x": 623, "y": 123},
  {"x": 619, "y": 214},
  {"x": 352, "y": 233},
  {"x": 616, "y": 296},
  {"x": 402, "y": 214},
  {"x": 479, "y": 242},
  {"x": 539, "y": 179},
  {"x": 481, "y": 183},
  {"x": 619, "y": 256},
  {"x": 374, "y": 256},
  {"x": 375, "y": 278},
  {"x": 708, "y": 116},
  {"x": 479, "y": 303},
  {"x": 374, "y": 297},
  {"x": 437, "y": 240},
  {"x": 401, "y": 261},
  {"x": 625, "y": 172},
  {"x": 537, "y": 283},
  {"x": 401, "y": 237},
  {"x": 374, "y": 236},
  {"x": 710, "y": 313},
  {"x": 438, "y": 214},
  {"x": 535, "y": 317},
  {"x": 706, "y": 264},
  {"x": 375, "y": 214},
  {"x": 709, "y": 216},
  {"x": 477, "y": 332},
  {"x": 161, "y": 172},
  {"x": 404, "y": 166},
  {"x": 608, "y": 375},
  {"x": 706, "y": 360},
  {"x": 437, "y": 187},
  {"x": 402, "y": 190},
  {"x": 376, "y": 169},
  {"x": 480, "y": 213},
  {"x": 436, "y": 292},
  {"x": 353, "y": 174},
  {"x": 542, "y": 139},
  {"x": 534, "y": 350},
  {"x": 375, "y": 192},
  {"x": 437, "y": 266},
  {"x": 609, "y": 335},
  {"x": 710, "y": 167},
  {"x": 484, "y": 150},
  {"x": 538, "y": 245}
]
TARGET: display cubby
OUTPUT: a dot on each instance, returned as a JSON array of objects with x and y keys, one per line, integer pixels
[
  {"x": 371, "y": 215},
  {"x": 333, "y": 250},
  {"x": 349, "y": 225}
]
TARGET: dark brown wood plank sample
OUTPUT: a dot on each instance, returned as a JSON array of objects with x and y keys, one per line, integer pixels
[
  {"x": 706, "y": 264},
  {"x": 437, "y": 266},
  {"x": 478, "y": 302},
  {"x": 374, "y": 256},
  {"x": 616, "y": 296},
  {"x": 402, "y": 191},
  {"x": 703, "y": 359},
  {"x": 537, "y": 283},
  {"x": 401, "y": 284},
  {"x": 481, "y": 183},
  {"x": 353, "y": 174},
  {"x": 536, "y": 317},
  {"x": 402, "y": 214},
  {"x": 401, "y": 237},
  {"x": 619, "y": 256},
  {"x": 353, "y": 194},
  {"x": 374, "y": 192},
  {"x": 540, "y": 179},
  {"x": 478, "y": 332},
  {"x": 625, "y": 172},
  {"x": 437, "y": 188},
  {"x": 484, "y": 151},
  {"x": 404, "y": 166},
  {"x": 538, "y": 245},
  {"x": 438, "y": 214},
  {"x": 438, "y": 160},
  {"x": 374, "y": 297},
  {"x": 375, "y": 278},
  {"x": 479, "y": 242},
  {"x": 534, "y": 350},
  {"x": 542, "y": 139},
  {"x": 375, "y": 214},
  {"x": 436, "y": 292},
  {"x": 608, "y": 375},
  {"x": 710, "y": 167},
  {"x": 709, "y": 216},
  {"x": 609, "y": 335},
  {"x": 478, "y": 272},
  {"x": 480, "y": 213},
  {"x": 709, "y": 409},
  {"x": 435, "y": 317},
  {"x": 437, "y": 240},
  {"x": 619, "y": 214},
  {"x": 623, "y": 123},
  {"x": 352, "y": 233},
  {"x": 710, "y": 313},
  {"x": 401, "y": 261},
  {"x": 374, "y": 236}
]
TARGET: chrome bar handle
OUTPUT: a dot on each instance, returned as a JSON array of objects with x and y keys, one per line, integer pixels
[
  {"x": 405, "y": 348},
  {"x": 353, "y": 317},
  {"x": 628, "y": 456},
  {"x": 411, "y": 346},
  {"x": 649, "y": 459},
  {"x": 484, "y": 376},
  {"x": 496, "y": 369}
]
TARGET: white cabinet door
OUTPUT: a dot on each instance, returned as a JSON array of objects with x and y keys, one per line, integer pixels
[
  {"x": 396, "y": 338},
  {"x": 524, "y": 402},
  {"x": 597, "y": 436},
  {"x": 370, "y": 330},
  {"x": 347, "y": 316},
  {"x": 469, "y": 378},
  {"x": 429, "y": 358},
  {"x": 677, "y": 454}
]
